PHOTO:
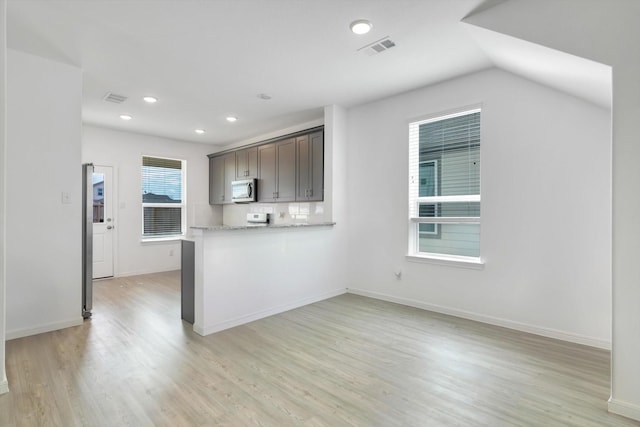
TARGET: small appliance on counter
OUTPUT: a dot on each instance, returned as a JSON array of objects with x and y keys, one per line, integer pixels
[
  {"x": 243, "y": 191},
  {"x": 257, "y": 219}
]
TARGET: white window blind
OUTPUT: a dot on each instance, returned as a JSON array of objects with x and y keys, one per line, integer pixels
[
  {"x": 444, "y": 185},
  {"x": 162, "y": 197}
]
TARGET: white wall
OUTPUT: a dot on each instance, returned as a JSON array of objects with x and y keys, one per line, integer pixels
[
  {"x": 43, "y": 161},
  {"x": 606, "y": 32},
  {"x": 335, "y": 182},
  {"x": 545, "y": 233},
  {"x": 123, "y": 151},
  {"x": 3, "y": 50}
]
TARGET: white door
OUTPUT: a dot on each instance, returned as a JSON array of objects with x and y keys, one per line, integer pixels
[{"x": 102, "y": 222}]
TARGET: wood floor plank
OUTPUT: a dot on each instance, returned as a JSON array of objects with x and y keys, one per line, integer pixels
[{"x": 347, "y": 361}]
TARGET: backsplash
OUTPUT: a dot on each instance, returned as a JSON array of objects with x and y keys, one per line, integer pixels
[
  {"x": 201, "y": 214},
  {"x": 279, "y": 213}
]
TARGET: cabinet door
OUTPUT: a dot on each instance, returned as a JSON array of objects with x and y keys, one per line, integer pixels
[
  {"x": 267, "y": 182},
  {"x": 303, "y": 180},
  {"x": 216, "y": 180},
  {"x": 286, "y": 170},
  {"x": 310, "y": 178},
  {"x": 316, "y": 192},
  {"x": 247, "y": 163},
  {"x": 222, "y": 171},
  {"x": 229, "y": 175}
]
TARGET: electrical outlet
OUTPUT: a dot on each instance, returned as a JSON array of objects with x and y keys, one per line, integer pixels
[{"x": 170, "y": 252}]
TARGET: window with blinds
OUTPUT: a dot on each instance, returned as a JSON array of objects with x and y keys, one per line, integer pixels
[
  {"x": 163, "y": 203},
  {"x": 444, "y": 185}
]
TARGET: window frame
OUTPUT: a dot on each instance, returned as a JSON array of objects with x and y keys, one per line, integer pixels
[
  {"x": 415, "y": 200},
  {"x": 182, "y": 205}
]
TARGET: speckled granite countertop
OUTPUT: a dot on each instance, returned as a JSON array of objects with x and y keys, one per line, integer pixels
[{"x": 249, "y": 227}]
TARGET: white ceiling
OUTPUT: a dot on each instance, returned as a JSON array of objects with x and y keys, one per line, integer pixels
[{"x": 206, "y": 59}]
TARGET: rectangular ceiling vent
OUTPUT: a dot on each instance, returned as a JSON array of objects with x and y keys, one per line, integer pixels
[
  {"x": 378, "y": 46},
  {"x": 113, "y": 97}
]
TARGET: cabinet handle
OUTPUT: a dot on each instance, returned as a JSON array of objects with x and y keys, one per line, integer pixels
[
  {"x": 310, "y": 192},
  {"x": 275, "y": 194}
]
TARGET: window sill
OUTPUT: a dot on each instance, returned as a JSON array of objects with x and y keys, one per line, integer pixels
[
  {"x": 448, "y": 260},
  {"x": 165, "y": 239}
]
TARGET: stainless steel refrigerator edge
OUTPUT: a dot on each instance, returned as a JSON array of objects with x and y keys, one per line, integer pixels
[{"x": 87, "y": 240}]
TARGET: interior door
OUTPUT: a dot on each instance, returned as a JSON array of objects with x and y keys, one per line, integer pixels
[{"x": 103, "y": 223}]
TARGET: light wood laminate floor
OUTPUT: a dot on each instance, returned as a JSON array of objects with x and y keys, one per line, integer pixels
[{"x": 347, "y": 361}]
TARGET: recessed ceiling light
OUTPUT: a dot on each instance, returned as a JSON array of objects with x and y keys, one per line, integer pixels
[
  {"x": 200, "y": 131},
  {"x": 126, "y": 117},
  {"x": 231, "y": 119},
  {"x": 150, "y": 99},
  {"x": 361, "y": 26}
]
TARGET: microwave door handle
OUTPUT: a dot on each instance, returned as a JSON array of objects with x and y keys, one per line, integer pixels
[{"x": 249, "y": 189}]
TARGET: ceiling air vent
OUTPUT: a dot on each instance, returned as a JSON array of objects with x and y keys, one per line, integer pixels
[
  {"x": 378, "y": 46},
  {"x": 115, "y": 98}
]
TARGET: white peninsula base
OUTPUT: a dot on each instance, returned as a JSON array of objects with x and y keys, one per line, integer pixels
[{"x": 242, "y": 274}]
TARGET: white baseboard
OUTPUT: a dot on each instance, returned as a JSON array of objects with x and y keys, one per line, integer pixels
[
  {"x": 625, "y": 409},
  {"x": 25, "y": 332},
  {"x": 141, "y": 272},
  {"x": 4, "y": 386},
  {"x": 505, "y": 323},
  {"x": 241, "y": 320}
]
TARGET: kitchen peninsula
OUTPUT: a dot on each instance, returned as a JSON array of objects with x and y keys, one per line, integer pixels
[{"x": 245, "y": 273}]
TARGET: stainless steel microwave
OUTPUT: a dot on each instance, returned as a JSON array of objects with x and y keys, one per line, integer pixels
[{"x": 243, "y": 191}]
